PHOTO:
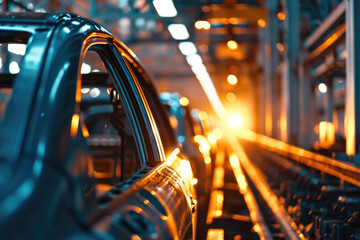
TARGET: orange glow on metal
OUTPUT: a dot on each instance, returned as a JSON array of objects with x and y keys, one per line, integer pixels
[
  {"x": 194, "y": 181},
  {"x": 84, "y": 131},
  {"x": 207, "y": 160},
  {"x": 281, "y": 16},
  {"x": 202, "y": 25},
  {"x": 332, "y": 39},
  {"x": 261, "y": 23},
  {"x": 264, "y": 189},
  {"x": 184, "y": 101},
  {"x": 232, "y": 44},
  {"x": 74, "y": 125},
  {"x": 135, "y": 237},
  {"x": 103, "y": 187},
  {"x": 326, "y": 134},
  {"x": 232, "y": 79},
  {"x": 239, "y": 175},
  {"x": 325, "y": 164},
  {"x": 215, "y": 234}
]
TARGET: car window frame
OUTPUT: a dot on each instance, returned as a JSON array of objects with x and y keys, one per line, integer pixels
[{"x": 127, "y": 87}]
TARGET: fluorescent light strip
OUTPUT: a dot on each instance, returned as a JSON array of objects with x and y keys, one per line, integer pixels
[
  {"x": 165, "y": 8},
  {"x": 178, "y": 31},
  {"x": 187, "y": 48},
  {"x": 194, "y": 60}
]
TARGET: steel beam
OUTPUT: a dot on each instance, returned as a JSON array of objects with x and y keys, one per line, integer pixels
[
  {"x": 290, "y": 95},
  {"x": 270, "y": 66},
  {"x": 352, "y": 102}
]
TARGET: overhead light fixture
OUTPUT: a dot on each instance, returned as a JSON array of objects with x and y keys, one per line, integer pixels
[
  {"x": 322, "y": 87},
  {"x": 165, "y": 8},
  {"x": 178, "y": 31},
  {"x": 194, "y": 60},
  {"x": 17, "y": 48},
  {"x": 187, "y": 48}
]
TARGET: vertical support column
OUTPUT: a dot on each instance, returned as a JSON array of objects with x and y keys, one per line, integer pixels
[
  {"x": 306, "y": 98},
  {"x": 290, "y": 94},
  {"x": 261, "y": 83},
  {"x": 270, "y": 65},
  {"x": 352, "y": 101}
]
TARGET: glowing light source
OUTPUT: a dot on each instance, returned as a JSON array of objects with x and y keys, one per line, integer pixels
[
  {"x": 17, "y": 48},
  {"x": 184, "y": 101},
  {"x": 94, "y": 92},
  {"x": 232, "y": 44},
  {"x": 14, "y": 67},
  {"x": 326, "y": 134},
  {"x": 203, "y": 116},
  {"x": 218, "y": 133},
  {"x": 232, "y": 79},
  {"x": 178, "y": 31},
  {"x": 261, "y": 23},
  {"x": 187, "y": 48},
  {"x": 203, "y": 25},
  {"x": 85, "y": 90},
  {"x": 281, "y": 16},
  {"x": 231, "y": 97},
  {"x": 85, "y": 68},
  {"x": 322, "y": 87},
  {"x": 194, "y": 60},
  {"x": 165, "y": 8},
  {"x": 194, "y": 181},
  {"x": 1, "y": 63},
  {"x": 235, "y": 121}
]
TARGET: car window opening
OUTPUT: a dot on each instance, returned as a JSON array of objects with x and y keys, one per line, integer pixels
[{"x": 106, "y": 127}]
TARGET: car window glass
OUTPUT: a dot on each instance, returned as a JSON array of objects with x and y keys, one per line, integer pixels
[
  {"x": 105, "y": 125},
  {"x": 11, "y": 56}
]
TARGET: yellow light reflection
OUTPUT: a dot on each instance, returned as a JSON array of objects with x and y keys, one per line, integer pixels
[
  {"x": 326, "y": 134},
  {"x": 212, "y": 138},
  {"x": 232, "y": 79},
  {"x": 203, "y": 116},
  {"x": 184, "y": 101},
  {"x": 202, "y": 25},
  {"x": 235, "y": 121},
  {"x": 194, "y": 181},
  {"x": 207, "y": 160},
  {"x": 218, "y": 133},
  {"x": 232, "y": 45},
  {"x": 74, "y": 125},
  {"x": 280, "y": 47}
]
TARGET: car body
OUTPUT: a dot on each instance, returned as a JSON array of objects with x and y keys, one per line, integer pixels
[
  {"x": 85, "y": 155},
  {"x": 196, "y": 147}
]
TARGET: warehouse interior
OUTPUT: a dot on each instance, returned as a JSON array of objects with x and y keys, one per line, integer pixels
[{"x": 283, "y": 74}]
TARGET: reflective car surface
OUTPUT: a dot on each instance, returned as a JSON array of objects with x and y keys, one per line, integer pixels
[
  {"x": 85, "y": 153},
  {"x": 197, "y": 148}
]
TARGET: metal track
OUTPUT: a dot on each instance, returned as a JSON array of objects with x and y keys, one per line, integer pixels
[{"x": 302, "y": 195}]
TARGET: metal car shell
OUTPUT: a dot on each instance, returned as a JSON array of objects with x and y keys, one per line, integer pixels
[{"x": 48, "y": 181}]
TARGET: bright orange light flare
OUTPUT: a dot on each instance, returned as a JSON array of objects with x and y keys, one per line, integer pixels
[
  {"x": 203, "y": 116},
  {"x": 232, "y": 44},
  {"x": 184, "y": 101},
  {"x": 74, "y": 125},
  {"x": 261, "y": 23},
  {"x": 235, "y": 121},
  {"x": 281, "y": 16},
  {"x": 218, "y": 133},
  {"x": 232, "y": 79}
]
